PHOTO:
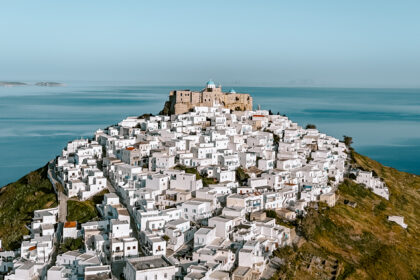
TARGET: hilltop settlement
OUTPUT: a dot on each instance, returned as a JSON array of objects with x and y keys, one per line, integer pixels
[{"x": 191, "y": 193}]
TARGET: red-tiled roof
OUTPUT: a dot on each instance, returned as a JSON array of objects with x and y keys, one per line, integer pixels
[{"x": 70, "y": 224}]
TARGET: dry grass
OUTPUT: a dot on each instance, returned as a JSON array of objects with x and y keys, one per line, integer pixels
[{"x": 365, "y": 244}]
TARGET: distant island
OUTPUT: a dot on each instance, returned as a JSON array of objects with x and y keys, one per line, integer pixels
[
  {"x": 49, "y": 84},
  {"x": 12, "y": 84},
  {"x": 40, "y": 84}
]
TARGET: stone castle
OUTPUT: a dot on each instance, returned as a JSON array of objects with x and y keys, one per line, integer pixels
[{"x": 182, "y": 101}]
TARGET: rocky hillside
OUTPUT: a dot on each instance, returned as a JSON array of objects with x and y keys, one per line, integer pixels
[
  {"x": 346, "y": 242},
  {"x": 18, "y": 201},
  {"x": 34, "y": 191},
  {"x": 336, "y": 243}
]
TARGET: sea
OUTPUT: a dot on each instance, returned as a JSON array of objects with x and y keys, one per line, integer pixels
[{"x": 37, "y": 122}]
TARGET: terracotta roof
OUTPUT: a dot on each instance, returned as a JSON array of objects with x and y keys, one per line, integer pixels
[
  {"x": 129, "y": 148},
  {"x": 258, "y": 116},
  {"x": 70, "y": 224},
  {"x": 32, "y": 248}
]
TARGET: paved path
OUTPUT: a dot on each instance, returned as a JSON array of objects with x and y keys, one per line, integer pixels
[
  {"x": 56, "y": 245},
  {"x": 61, "y": 196},
  {"x": 62, "y": 211},
  {"x": 110, "y": 187}
]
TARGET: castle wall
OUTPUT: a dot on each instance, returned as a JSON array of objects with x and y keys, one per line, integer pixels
[{"x": 181, "y": 101}]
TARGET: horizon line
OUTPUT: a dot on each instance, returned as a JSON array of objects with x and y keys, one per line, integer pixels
[{"x": 238, "y": 85}]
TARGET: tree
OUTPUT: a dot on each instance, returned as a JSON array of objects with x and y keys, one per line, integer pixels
[
  {"x": 348, "y": 140},
  {"x": 71, "y": 244},
  {"x": 145, "y": 116},
  {"x": 241, "y": 176},
  {"x": 271, "y": 213},
  {"x": 310, "y": 126},
  {"x": 276, "y": 139}
]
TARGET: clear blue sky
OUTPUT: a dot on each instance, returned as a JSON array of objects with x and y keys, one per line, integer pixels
[{"x": 317, "y": 42}]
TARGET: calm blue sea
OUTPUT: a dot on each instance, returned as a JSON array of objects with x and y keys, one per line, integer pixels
[{"x": 36, "y": 122}]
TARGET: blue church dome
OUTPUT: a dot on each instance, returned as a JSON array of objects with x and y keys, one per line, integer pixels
[
  {"x": 232, "y": 91},
  {"x": 211, "y": 84}
]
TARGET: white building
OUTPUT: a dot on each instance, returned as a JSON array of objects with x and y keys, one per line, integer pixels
[
  {"x": 196, "y": 209},
  {"x": 204, "y": 236},
  {"x": 70, "y": 230},
  {"x": 150, "y": 267}
]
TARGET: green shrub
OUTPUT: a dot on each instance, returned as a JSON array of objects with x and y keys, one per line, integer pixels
[
  {"x": 380, "y": 207},
  {"x": 19, "y": 200},
  {"x": 351, "y": 188},
  {"x": 84, "y": 211},
  {"x": 71, "y": 244},
  {"x": 241, "y": 176}
]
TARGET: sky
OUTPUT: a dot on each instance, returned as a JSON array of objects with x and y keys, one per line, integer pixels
[{"x": 358, "y": 43}]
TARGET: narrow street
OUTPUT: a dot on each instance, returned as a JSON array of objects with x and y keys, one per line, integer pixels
[
  {"x": 132, "y": 219},
  {"x": 62, "y": 211},
  {"x": 61, "y": 196}
]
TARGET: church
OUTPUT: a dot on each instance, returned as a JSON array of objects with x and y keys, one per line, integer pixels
[{"x": 182, "y": 101}]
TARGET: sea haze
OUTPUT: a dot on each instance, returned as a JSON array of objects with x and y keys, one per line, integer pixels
[{"x": 37, "y": 122}]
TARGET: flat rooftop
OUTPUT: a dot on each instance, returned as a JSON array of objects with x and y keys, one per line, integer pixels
[
  {"x": 220, "y": 219},
  {"x": 56, "y": 268},
  {"x": 176, "y": 222},
  {"x": 99, "y": 276},
  {"x": 204, "y": 230},
  {"x": 98, "y": 268},
  {"x": 26, "y": 266},
  {"x": 111, "y": 195},
  {"x": 241, "y": 270},
  {"x": 149, "y": 262},
  {"x": 194, "y": 202},
  {"x": 219, "y": 275}
]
